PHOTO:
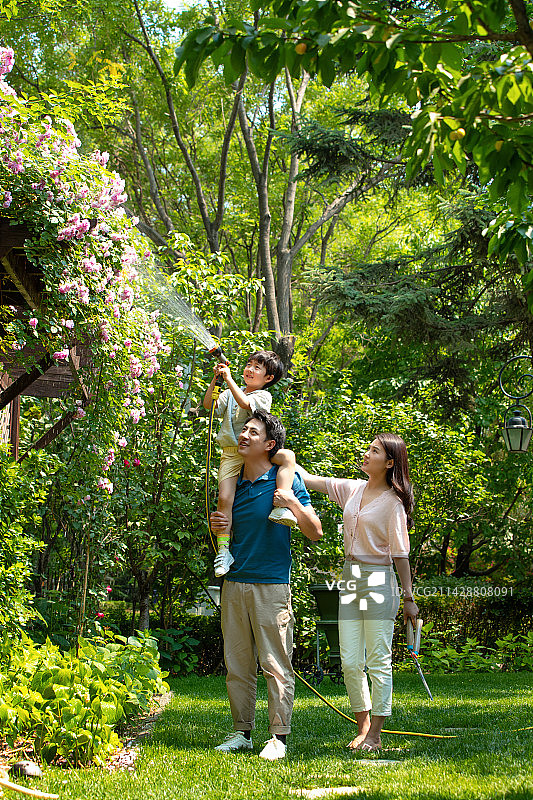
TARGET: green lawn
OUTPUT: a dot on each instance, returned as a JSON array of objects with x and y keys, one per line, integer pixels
[{"x": 488, "y": 762}]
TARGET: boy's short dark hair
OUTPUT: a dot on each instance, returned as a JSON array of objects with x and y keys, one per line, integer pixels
[
  {"x": 271, "y": 362},
  {"x": 273, "y": 428}
]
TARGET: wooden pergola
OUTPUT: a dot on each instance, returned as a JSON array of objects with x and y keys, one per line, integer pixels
[{"x": 37, "y": 375}]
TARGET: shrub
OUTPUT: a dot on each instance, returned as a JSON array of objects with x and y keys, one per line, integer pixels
[
  {"x": 176, "y": 648},
  {"x": 71, "y": 703},
  {"x": 193, "y": 643},
  {"x": 23, "y": 488},
  {"x": 209, "y": 650}
]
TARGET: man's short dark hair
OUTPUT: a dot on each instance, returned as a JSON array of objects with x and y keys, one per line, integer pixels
[
  {"x": 271, "y": 362},
  {"x": 273, "y": 428}
]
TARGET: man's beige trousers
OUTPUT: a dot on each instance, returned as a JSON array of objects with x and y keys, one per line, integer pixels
[{"x": 257, "y": 621}]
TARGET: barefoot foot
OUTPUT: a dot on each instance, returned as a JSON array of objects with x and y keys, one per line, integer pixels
[
  {"x": 356, "y": 743},
  {"x": 370, "y": 745}
]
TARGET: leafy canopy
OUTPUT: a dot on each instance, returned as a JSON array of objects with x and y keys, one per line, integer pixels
[{"x": 464, "y": 69}]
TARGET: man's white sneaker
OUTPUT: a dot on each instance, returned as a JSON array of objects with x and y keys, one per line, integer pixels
[
  {"x": 235, "y": 741},
  {"x": 283, "y": 516},
  {"x": 273, "y": 749},
  {"x": 223, "y": 561}
]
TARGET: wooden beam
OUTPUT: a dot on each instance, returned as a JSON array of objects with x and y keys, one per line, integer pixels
[
  {"x": 52, "y": 433},
  {"x": 24, "y": 283},
  {"x": 25, "y": 380}
]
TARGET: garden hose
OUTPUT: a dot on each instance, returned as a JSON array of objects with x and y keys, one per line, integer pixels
[
  {"x": 217, "y": 353},
  {"x": 214, "y": 397},
  {"x": 403, "y": 733},
  {"x": 351, "y": 719}
]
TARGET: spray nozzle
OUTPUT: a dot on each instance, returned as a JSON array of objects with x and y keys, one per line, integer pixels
[{"x": 217, "y": 353}]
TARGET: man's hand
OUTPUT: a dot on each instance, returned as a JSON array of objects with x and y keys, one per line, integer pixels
[
  {"x": 308, "y": 521},
  {"x": 284, "y": 498},
  {"x": 219, "y": 521}
]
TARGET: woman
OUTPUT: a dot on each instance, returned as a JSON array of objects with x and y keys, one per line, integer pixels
[{"x": 377, "y": 518}]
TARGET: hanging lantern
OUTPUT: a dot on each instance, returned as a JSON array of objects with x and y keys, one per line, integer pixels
[{"x": 517, "y": 429}]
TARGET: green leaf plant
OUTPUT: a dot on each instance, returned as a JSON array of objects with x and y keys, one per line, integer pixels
[
  {"x": 464, "y": 70},
  {"x": 70, "y": 704}
]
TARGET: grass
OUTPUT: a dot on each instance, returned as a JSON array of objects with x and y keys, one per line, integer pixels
[{"x": 486, "y": 762}]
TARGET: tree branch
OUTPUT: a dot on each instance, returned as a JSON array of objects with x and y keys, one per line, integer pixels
[
  {"x": 223, "y": 172},
  {"x": 212, "y": 233},
  {"x": 340, "y": 202},
  {"x": 523, "y": 23},
  {"x": 264, "y": 221},
  {"x": 154, "y": 189}
]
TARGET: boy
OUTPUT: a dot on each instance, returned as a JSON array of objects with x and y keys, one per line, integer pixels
[{"x": 263, "y": 368}]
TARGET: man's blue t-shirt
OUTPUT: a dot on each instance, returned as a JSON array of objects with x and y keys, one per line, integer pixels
[{"x": 261, "y": 548}]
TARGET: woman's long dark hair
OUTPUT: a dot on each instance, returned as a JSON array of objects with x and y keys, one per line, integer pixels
[{"x": 398, "y": 475}]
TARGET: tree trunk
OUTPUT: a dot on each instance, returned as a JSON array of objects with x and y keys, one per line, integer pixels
[
  {"x": 284, "y": 347},
  {"x": 144, "y": 583},
  {"x": 443, "y": 550},
  {"x": 261, "y": 183}
]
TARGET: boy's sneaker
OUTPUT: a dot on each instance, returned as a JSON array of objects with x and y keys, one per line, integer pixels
[
  {"x": 235, "y": 741},
  {"x": 273, "y": 750},
  {"x": 283, "y": 516},
  {"x": 223, "y": 561}
]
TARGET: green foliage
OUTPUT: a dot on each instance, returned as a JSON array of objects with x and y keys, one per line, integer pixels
[
  {"x": 23, "y": 488},
  {"x": 210, "y": 648},
  {"x": 176, "y": 649},
  {"x": 447, "y": 468},
  {"x": 471, "y": 102},
  {"x": 56, "y": 619},
  {"x": 192, "y": 644},
  {"x": 513, "y": 653},
  {"x": 516, "y": 651},
  {"x": 332, "y": 155},
  {"x": 71, "y": 703}
]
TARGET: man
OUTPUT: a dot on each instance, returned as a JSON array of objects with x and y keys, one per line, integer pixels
[{"x": 257, "y": 618}]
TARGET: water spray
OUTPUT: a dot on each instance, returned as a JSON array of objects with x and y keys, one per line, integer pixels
[{"x": 165, "y": 298}]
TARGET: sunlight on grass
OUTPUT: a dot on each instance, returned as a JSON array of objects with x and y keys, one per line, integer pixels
[{"x": 179, "y": 762}]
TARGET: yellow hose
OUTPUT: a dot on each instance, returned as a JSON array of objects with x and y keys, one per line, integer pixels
[
  {"x": 214, "y": 397},
  {"x": 351, "y": 719},
  {"x": 402, "y": 733}
]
